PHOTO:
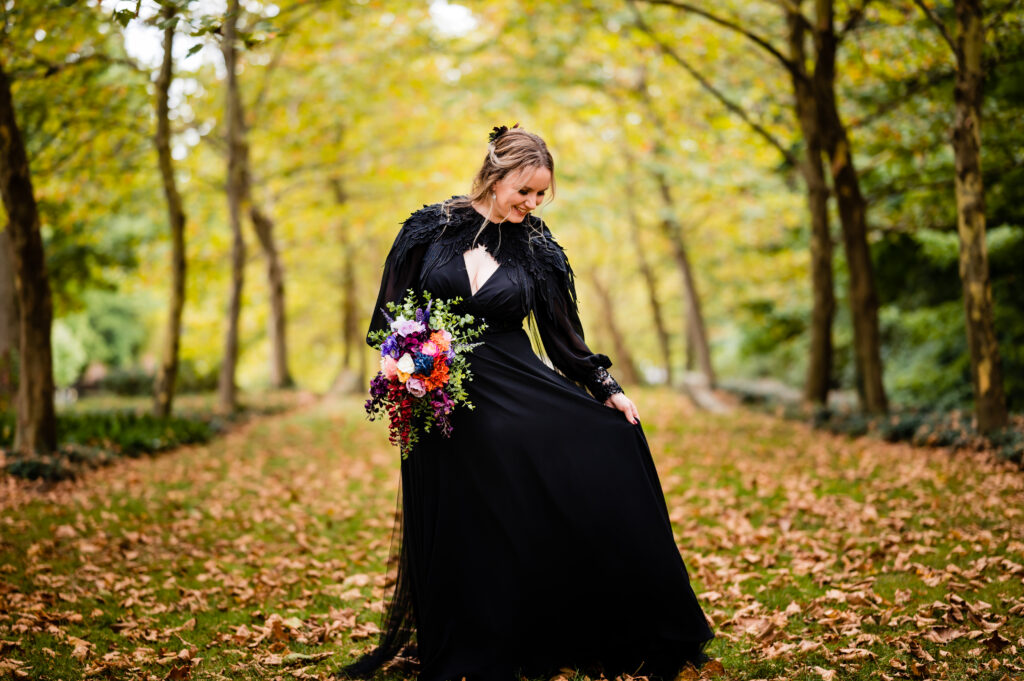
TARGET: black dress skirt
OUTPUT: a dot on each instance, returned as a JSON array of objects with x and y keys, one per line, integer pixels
[{"x": 537, "y": 536}]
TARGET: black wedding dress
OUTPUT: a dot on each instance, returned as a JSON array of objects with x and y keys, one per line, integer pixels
[{"x": 537, "y": 536}]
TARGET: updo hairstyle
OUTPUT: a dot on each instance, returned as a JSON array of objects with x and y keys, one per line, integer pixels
[{"x": 512, "y": 149}]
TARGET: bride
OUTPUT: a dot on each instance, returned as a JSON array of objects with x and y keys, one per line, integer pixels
[{"x": 537, "y": 536}]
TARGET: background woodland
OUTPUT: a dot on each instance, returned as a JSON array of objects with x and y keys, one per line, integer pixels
[{"x": 200, "y": 195}]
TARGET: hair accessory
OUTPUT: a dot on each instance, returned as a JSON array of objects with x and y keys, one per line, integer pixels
[{"x": 498, "y": 131}]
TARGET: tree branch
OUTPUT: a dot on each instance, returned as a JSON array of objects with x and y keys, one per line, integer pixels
[
  {"x": 49, "y": 68},
  {"x": 281, "y": 42},
  {"x": 731, "y": 25},
  {"x": 852, "y": 21},
  {"x": 707, "y": 85},
  {"x": 911, "y": 87},
  {"x": 997, "y": 15},
  {"x": 938, "y": 24}
]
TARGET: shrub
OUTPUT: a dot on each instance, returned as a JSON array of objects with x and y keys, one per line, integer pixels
[{"x": 94, "y": 439}]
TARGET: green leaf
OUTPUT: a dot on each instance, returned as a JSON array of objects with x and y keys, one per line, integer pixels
[{"x": 121, "y": 16}]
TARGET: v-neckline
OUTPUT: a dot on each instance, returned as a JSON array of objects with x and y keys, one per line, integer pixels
[{"x": 469, "y": 281}]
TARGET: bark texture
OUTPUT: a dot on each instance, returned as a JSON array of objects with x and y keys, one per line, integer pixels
[
  {"x": 10, "y": 327},
  {"x": 696, "y": 332},
  {"x": 167, "y": 374},
  {"x": 852, "y": 215},
  {"x": 263, "y": 225},
  {"x": 649, "y": 277},
  {"x": 986, "y": 364},
  {"x": 698, "y": 349},
  {"x": 353, "y": 356},
  {"x": 819, "y": 365},
  {"x": 238, "y": 200},
  {"x": 262, "y": 222},
  {"x": 625, "y": 368},
  {"x": 36, "y": 429}
]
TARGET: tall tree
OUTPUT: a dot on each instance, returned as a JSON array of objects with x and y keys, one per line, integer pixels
[
  {"x": 37, "y": 420},
  {"x": 238, "y": 200},
  {"x": 819, "y": 366},
  {"x": 647, "y": 272},
  {"x": 831, "y": 131},
  {"x": 626, "y": 366},
  {"x": 263, "y": 225},
  {"x": 820, "y": 361},
  {"x": 672, "y": 228},
  {"x": 10, "y": 333},
  {"x": 349, "y": 378},
  {"x": 262, "y": 222},
  {"x": 852, "y": 208},
  {"x": 967, "y": 46},
  {"x": 166, "y": 378}
]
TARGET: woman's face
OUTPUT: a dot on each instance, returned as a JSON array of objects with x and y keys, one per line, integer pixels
[{"x": 518, "y": 193}]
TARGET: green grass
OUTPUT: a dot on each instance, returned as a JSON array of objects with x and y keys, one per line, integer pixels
[{"x": 838, "y": 543}]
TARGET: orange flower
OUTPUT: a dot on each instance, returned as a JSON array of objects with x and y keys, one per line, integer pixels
[
  {"x": 442, "y": 339},
  {"x": 438, "y": 377}
]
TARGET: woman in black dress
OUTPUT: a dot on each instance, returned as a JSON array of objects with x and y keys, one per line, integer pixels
[{"x": 537, "y": 536}]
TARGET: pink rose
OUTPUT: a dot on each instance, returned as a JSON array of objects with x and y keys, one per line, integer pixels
[
  {"x": 389, "y": 367},
  {"x": 415, "y": 387},
  {"x": 429, "y": 349}
]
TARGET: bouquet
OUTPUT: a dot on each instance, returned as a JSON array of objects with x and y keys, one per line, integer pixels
[{"x": 423, "y": 367}]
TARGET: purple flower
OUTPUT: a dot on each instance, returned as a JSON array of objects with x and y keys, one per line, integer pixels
[
  {"x": 404, "y": 327},
  {"x": 390, "y": 347},
  {"x": 415, "y": 387},
  {"x": 441, "y": 403},
  {"x": 379, "y": 386}
]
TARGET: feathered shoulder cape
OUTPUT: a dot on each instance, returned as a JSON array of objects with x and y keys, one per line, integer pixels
[{"x": 528, "y": 251}]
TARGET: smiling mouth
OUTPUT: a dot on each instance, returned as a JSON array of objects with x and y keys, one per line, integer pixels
[{"x": 522, "y": 211}]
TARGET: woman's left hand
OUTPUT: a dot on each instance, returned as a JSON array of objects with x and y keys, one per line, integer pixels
[{"x": 625, "y": 405}]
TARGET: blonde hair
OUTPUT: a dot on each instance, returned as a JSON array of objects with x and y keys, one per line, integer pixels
[{"x": 512, "y": 151}]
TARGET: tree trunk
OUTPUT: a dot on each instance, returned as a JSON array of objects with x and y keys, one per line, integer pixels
[
  {"x": 654, "y": 301},
  {"x": 37, "y": 419},
  {"x": 280, "y": 376},
  {"x": 349, "y": 379},
  {"x": 986, "y": 370},
  {"x": 696, "y": 332},
  {"x": 626, "y": 370},
  {"x": 238, "y": 199},
  {"x": 819, "y": 365},
  {"x": 263, "y": 226},
  {"x": 167, "y": 374},
  {"x": 852, "y": 216},
  {"x": 10, "y": 328},
  {"x": 650, "y": 279},
  {"x": 698, "y": 350}
]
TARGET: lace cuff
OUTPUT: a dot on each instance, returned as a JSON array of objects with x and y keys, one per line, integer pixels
[{"x": 602, "y": 385}]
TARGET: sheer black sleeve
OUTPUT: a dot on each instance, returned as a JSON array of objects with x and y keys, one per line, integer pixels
[
  {"x": 561, "y": 332},
  {"x": 402, "y": 266}
]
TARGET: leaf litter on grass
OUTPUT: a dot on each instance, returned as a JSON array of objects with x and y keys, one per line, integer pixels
[{"x": 262, "y": 555}]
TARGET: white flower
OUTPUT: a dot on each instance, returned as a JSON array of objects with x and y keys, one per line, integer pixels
[{"x": 406, "y": 365}]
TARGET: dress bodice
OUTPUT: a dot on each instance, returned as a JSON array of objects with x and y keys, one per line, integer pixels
[
  {"x": 498, "y": 301},
  {"x": 533, "y": 277}
]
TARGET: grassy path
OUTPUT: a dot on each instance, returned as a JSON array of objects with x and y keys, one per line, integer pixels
[{"x": 260, "y": 556}]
